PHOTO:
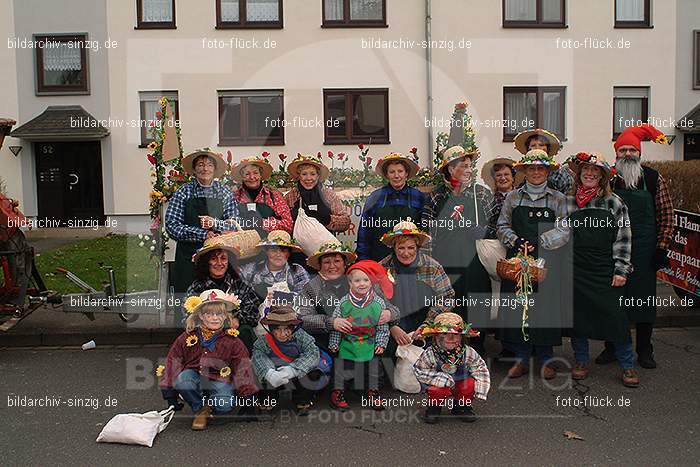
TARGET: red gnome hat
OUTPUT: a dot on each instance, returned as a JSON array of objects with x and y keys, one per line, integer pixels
[
  {"x": 634, "y": 135},
  {"x": 376, "y": 273}
]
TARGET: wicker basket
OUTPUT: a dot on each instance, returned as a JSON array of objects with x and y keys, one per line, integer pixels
[
  {"x": 244, "y": 240},
  {"x": 511, "y": 271}
]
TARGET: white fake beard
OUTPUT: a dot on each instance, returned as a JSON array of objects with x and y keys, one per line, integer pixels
[{"x": 629, "y": 169}]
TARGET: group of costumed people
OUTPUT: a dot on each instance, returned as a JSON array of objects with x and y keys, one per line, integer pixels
[{"x": 255, "y": 326}]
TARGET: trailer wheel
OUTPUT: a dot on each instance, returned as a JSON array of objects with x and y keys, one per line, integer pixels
[{"x": 128, "y": 317}]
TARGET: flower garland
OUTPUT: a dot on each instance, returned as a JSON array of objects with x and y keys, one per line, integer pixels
[{"x": 523, "y": 290}]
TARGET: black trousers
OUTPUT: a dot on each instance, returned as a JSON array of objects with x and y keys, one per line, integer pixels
[{"x": 363, "y": 375}]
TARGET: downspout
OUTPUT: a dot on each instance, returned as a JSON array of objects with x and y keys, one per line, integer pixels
[{"x": 429, "y": 81}]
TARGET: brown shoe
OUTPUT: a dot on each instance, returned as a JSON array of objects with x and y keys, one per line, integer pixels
[
  {"x": 548, "y": 372},
  {"x": 200, "y": 419},
  {"x": 630, "y": 378},
  {"x": 579, "y": 371},
  {"x": 518, "y": 370}
]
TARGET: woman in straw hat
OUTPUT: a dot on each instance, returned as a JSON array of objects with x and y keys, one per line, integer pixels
[
  {"x": 455, "y": 217},
  {"x": 602, "y": 246},
  {"x": 273, "y": 272},
  {"x": 215, "y": 268},
  {"x": 287, "y": 355},
  {"x": 388, "y": 205},
  {"x": 208, "y": 364},
  {"x": 197, "y": 211},
  {"x": 309, "y": 193},
  {"x": 499, "y": 175},
  {"x": 527, "y": 212},
  {"x": 262, "y": 208},
  {"x": 422, "y": 290},
  {"x": 321, "y": 295},
  {"x": 450, "y": 369},
  {"x": 559, "y": 179}
]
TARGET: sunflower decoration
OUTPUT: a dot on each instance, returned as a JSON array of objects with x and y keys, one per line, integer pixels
[
  {"x": 160, "y": 370},
  {"x": 191, "y": 341},
  {"x": 192, "y": 303},
  {"x": 233, "y": 332},
  {"x": 225, "y": 372}
]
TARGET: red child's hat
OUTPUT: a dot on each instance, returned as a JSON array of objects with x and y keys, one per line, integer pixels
[
  {"x": 377, "y": 274},
  {"x": 634, "y": 135}
]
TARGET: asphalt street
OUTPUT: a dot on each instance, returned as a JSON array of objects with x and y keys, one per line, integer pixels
[{"x": 522, "y": 423}]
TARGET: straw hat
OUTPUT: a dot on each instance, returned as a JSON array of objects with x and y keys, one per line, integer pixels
[
  {"x": 221, "y": 165},
  {"x": 300, "y": 160},
  {"x": 278, "y": 238},
  {"x": 281, "y": 316},
  {"x": 536, "y": 157},
  {"x": 520, "y": 140},
  {"x": 394, "y": 157},
  {"x": 194, "y": 303},
  {"x": 402, "y": 229},
  {"x": 447, "y": 323},
  {"x": 487, "y": 170},
  {"x": 220, "y": 242},
  {"x": 457, "y": 152},
  {"x": 265, "y": 168},
  {"x": 331, "y": 248}
]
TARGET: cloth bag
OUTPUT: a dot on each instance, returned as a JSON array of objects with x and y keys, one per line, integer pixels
[
  {"x": 404, "y": 377},
  {"x": 310, "y": 234},
  {"x": 136, "y": 428},
  {"x": 490, "y": 251}
]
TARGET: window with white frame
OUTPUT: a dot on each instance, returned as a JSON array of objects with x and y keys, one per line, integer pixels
[{"x": 155, "y": 14}]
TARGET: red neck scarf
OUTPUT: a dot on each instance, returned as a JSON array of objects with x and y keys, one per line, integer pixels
[{"x": 584, "y": 195}]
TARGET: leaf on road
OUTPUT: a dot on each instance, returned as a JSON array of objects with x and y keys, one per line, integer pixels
[{"x": 572, "y": 435}]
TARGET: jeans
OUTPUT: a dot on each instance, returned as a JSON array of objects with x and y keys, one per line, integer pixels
[
  {"x": 623, "y": 352},
  {"x": 525, "y": 351},
  {"x": 198, "y": 391}
]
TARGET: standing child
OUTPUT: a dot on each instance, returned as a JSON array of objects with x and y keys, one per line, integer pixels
[
  {"x": 449, "y": 368},
  {"x": 359, "y": 346},
  {"x": 287, "y": 354}
]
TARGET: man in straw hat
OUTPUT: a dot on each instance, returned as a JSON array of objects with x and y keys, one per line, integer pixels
[
  {"x": 559, "y": 179},
  {"x": 650, "y": 208},
  {"x": 388, "y": 205},
  {"x": 450, "y": 369},
  {"x": 287, "y": 354},
  {"x": 422, "y": 290},
  {"x": 262, "y": 208},
  {"x": 198, "y": 210},
  {"x": 528, "y": 212},
  {"x": 208, "y": 365},
  {"x": 602, "y": 245}
]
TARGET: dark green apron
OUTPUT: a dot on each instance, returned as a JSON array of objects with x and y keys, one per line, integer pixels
[
  {"x": 641, "y": 284},
  {"x": 455, "y": 249},
  {"x": 597, "y": 311},
  {"x": 544, "y": 315},
  {"x": 252, "y": 219},
  {"x": 389, "y": 215},
  {"x": 184, "y": 267}
]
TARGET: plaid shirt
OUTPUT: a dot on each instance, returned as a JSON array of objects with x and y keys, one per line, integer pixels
[
  {"x": 274, "y": 199},
  {"x": 561, "y": 180},
  {"x": 664, "y": 215},
  {"x": 257, "y": 273},
  {"x": 493, "y": 211},
  {"x": 306, "y": 361},
  {"x": 248, "y": 312},
  {"x": 556, "y": 237},
  {"x": 175, "y": 214},
  {"x": 384, "y": 196},
  {"x": 381, "y": 338},
  {"x": 431, "y": 273},
  {"x": 340, "y": 219},
  {"x": 317, "y": 303},
  {"x": 622, "y": 247},
  {"x": 427, "y": 370}
]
